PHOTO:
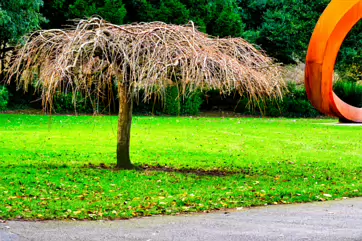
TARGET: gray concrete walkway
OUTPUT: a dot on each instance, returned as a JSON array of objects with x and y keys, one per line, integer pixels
[{"x": 337, "y": 220}]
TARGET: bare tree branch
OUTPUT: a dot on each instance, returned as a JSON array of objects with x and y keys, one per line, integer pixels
[{"x": 95, "y": 55}]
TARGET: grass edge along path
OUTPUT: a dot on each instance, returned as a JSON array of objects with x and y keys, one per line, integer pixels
[{"x": 63, "y": 169}]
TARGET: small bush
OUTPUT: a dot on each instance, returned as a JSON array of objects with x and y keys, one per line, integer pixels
[
  {"x": 350, "y": 92},
  {"x": 4, "y": 98}
]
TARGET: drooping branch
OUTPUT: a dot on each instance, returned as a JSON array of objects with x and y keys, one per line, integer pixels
[{"x": 4, "y": 57}]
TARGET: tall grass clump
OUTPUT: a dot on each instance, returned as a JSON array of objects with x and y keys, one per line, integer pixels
[{"x": 350, "y": 92}]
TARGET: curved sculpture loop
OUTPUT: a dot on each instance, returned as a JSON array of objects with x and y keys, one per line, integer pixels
[{"x": 331, "y": 30}]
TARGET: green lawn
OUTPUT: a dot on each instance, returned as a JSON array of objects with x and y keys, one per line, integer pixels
[{"x": 63, "y": 168}]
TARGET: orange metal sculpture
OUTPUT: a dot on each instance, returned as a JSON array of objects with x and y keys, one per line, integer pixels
[{"x": 331, "y": 30}]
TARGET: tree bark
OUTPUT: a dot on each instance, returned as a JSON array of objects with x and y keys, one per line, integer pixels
[{"x": 124, "y": 128}]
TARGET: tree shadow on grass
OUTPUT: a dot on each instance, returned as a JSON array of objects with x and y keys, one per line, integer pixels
[
  {"x": 216, "y": 172},
  {"x": 167, "y": 169}
]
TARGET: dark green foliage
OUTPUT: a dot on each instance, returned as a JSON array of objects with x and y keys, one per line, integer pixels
[
  {"x": 17, "y": 17},
  {"x": 282, "y": 27},
  {"x": 111, "y": 10},
  {"x": 64, "y": 103},
  {"x": 191, "y": 104},
  {"x": 172, "y": 101},
  {"x": 172, "y": 11},
  {"x": 21, "y": 100},
  {"x": 295, "y": 103},
  {"x": 56, "y": 12},
  {"x": 350, "y": 56},
  {"x": 216, "y": 17},
  {"x": 225, "y": 19},
  {"x": 350, "y": 92},
  {"x": 4, "y": 98},
  {"x": 176, "y": 105},
  {"x": 59, "y": 11}
]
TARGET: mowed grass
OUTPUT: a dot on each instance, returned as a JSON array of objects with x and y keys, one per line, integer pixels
[{"x": 62, "y": 168}]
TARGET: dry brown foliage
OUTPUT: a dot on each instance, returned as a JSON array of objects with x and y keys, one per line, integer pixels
[{"x": 94, "y": 56}]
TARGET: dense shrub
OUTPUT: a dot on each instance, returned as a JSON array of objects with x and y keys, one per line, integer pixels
[
  {"x": 350, "y": 92},
  {"x": 175, "y": 104},
  {"x": 151, "y": 106},
  {"x": 64, "y": 103},
  {"x": 4, "y": 98},
  {"x": 351, "y": 73},
  {"x": 172, "y": 101},
  {"x": 191, "y": 104},
  {"x": 294, "y": 103}
]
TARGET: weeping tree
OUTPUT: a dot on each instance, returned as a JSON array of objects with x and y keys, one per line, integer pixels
[{"x": 94, "y": 57}]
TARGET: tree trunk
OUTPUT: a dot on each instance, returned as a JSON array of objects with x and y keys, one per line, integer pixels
[{"x": 124, "y": 128}]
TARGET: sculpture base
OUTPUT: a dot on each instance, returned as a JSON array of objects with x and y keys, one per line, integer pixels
[{"x": 345, "y": 121}]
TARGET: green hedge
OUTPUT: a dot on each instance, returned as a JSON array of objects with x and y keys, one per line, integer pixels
[
  {"x": 64, "y": 103},
  {"x": 172, "y": 101},
  {"x": 293, "y": 104},
  {"x": 173, "y": 104},
  {"x": 350, "y": 92},
  {"x": 191, "y": 105},
  {"x": 176, "y": 104},
  {"x": 4, "y": 98}
]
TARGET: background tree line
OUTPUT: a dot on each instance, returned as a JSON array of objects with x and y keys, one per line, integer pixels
[{"x": 282, "y": 28}]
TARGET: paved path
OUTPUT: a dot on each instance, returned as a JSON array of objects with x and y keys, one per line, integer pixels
[{"x": 337, "y": 220}]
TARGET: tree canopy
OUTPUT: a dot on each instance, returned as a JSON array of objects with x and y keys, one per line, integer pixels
[{"x": 143, "y": 56}]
